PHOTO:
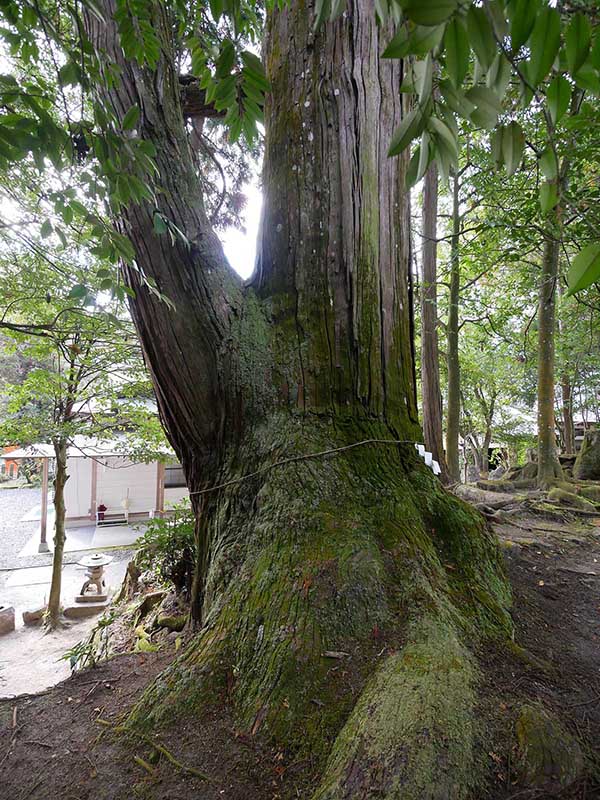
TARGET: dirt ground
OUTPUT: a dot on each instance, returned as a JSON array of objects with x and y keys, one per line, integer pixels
[
  {"x": 555, "y": 575},
  {"x": 53, "y": 745}
]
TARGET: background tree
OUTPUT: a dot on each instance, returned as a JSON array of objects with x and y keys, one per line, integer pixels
[
  {"x": 87, "y": 362},
  {"x": 430, "y": 361}
]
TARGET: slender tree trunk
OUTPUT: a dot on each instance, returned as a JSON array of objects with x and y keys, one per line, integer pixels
[
  {"x": 60, "y": 479},
  {"x": 430, "y": 361},
  {"x": 548, "y": 465},
  {"x": 566, "y": 388},
  {"x": 303, "y": 553},
  {"x": 567, "y": 414},
  {"x": 453, "y": 404},
  {"x": 485, "y": 453}
]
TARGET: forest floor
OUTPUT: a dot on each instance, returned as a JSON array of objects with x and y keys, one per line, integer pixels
[{"x": 54, "y": 744}]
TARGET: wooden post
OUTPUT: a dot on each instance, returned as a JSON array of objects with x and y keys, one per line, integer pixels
[
  {"x": 43, "y": 548},
  {"x": 94, "y": 492},
  {"x": 160, "y": 487}
]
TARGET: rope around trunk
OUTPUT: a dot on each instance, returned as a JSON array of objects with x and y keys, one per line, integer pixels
[{"x": 306, "y": 457}]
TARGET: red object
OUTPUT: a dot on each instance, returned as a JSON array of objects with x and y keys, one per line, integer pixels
[{"x": 101, "y": 509}]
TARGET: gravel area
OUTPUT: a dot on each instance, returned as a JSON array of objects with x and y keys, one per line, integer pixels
[{"x": 14, "y": 534}]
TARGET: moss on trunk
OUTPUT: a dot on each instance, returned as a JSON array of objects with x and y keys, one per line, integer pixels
[{"x": 361, "y": 553}]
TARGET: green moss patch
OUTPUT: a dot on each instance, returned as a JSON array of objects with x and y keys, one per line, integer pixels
[
  {"x": 550, "y": 758},
  {"x": 412, "y": 733}
]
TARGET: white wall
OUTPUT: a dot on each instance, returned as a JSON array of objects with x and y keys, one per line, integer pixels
[
  {"x": 112, "y": 483},
  {"x": 118, "y": 476},
  {"x": 174, "y": 495},
  {"x": 78, "y": 489}
]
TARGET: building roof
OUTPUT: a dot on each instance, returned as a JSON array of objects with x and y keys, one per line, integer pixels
[{"x": 80, "y": 447}]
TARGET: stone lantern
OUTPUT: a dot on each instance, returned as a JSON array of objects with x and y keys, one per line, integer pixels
[{"x": 94, "y": 565}]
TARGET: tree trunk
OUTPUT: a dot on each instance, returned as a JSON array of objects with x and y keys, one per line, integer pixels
[
  {"x": 485, "y": 454},
  {"x": 567, "y": 414},
  {"x": 430, "y": 361},
  {"x": 453, "y": 405},
  {"x": 305, "y": 554},
  {"x": 566, "y": 389},
  {"x": 52, "y": 616},
  {"x": 548, "y": 465}
]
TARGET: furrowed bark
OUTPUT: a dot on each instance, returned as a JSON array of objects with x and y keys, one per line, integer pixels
[
  {"x": 334, "y": 241},
  {"x": 197, "y": 392},
  {"x": 430, "y": 360},
  {"x": 453, "y": 404}
]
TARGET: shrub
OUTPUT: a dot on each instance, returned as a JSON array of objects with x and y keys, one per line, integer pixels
[{"x": 167, "y": 548}]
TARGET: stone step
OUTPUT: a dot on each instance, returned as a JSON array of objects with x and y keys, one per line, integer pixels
[{"x": 81, "y": 610}]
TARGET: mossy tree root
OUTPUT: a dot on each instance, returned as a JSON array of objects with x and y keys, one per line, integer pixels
[
  {"x": 364, "y": 554},
  {"x": 412, "y": 733}
]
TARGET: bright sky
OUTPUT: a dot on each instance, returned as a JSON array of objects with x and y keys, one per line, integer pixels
[{"x": 240, "y": 248}]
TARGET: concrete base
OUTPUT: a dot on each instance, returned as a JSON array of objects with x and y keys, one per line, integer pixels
[
  {"x": 43, "y": 547},
  {"x": 7, "y": 619},
  {"x": 91, "y": 598},
  {"x": 81, "y": 610}
]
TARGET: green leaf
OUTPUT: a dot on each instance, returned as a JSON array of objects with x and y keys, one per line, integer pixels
[
  {"x": 587, "y": 78},
  {"x": 497, "y": 13},
  {"x": 548, "y": 196},
  {"x": 428, "y": 12},
  {"x": 69, "y": 74},
  {"x": 424, "y": 85},
  {"x": 549, "y": 164},
  {"x": 558, "y": 96},
  {"x": 595, "y": 54},
  {"x": 131, "y": 117},
  {"x": 398, "y": 47},
  {"x": 425, "y": 155},
  {"x": 585, "y": 268},
  {"x": 543, "y": 44},
  {"x": 456, "y": 100},
  {"x": 216, "y": 9},
  {"x": 481, "y": 36},
  {"x": 488, "y": 106},
  {"x": 160, "y": 226},
  {"x": 46, "y": 229},
  {"x": 499, "y": 75},
  {"x": 522, "y": 19},
  {"x": 411, "y": 126},
  {"x": 418, "y": 42},
  {"x": 78, "y": 291},
  {"x": 253, "y": 63},
  {"x": 513, "y": 144},
  {"x": 446, "y": 145},
  {"x": 413, "y": 167},
  {"x": 457, "y": 49},
  {"x": 225, "y": 60},
  {"x": 496, "y": 146},
  {"x": 577, "y": 42},
  {"x": 322, "y": 12}
]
